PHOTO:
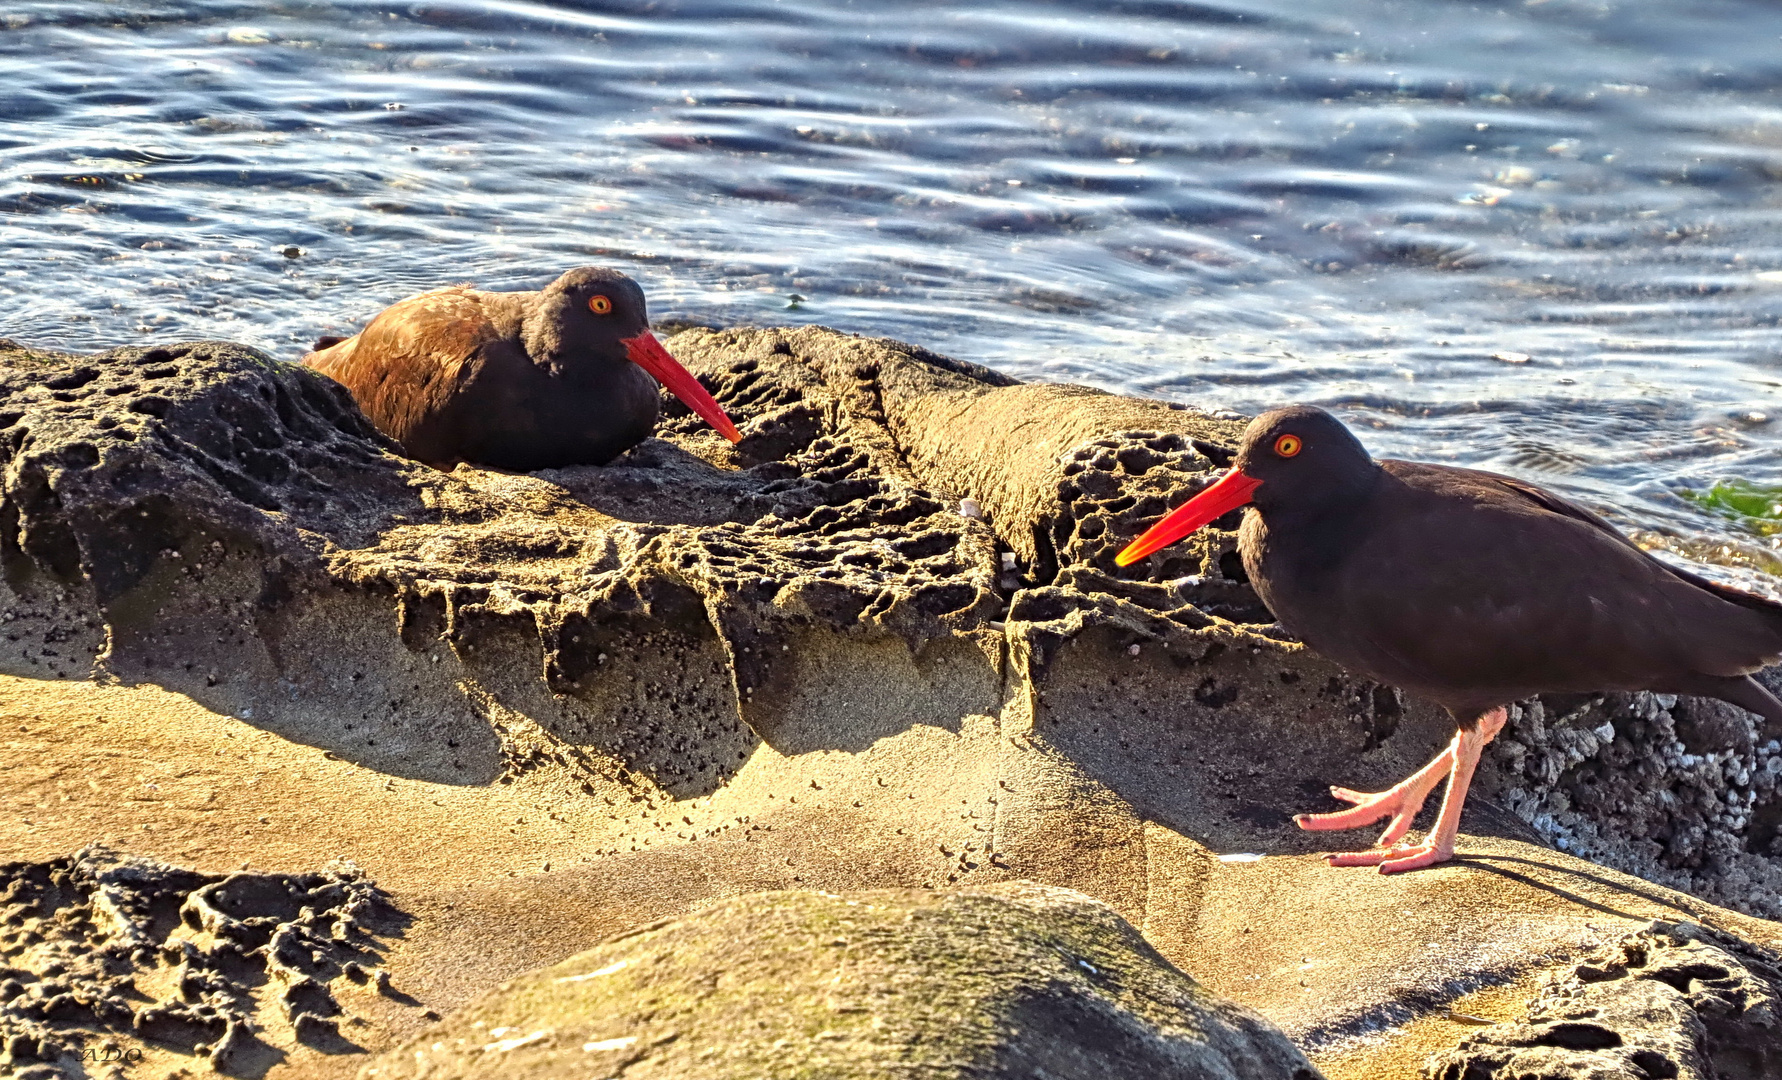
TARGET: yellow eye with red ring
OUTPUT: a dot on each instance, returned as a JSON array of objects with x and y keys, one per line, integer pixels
[
  {"x": 1287, "y": 445},
  {"x": 600, "y": 305}
]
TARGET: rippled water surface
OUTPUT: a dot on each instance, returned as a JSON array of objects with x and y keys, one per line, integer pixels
[{"x": 1539, "y": 237}]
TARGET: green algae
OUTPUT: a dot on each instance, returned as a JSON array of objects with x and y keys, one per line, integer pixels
[{"x": 1756, "y": 508}]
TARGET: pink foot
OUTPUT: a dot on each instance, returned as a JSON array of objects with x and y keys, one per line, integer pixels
[
  {"x": 1394, "y": 860},
  {"x": 1399, "y": 802},
  {"x": 1402, "y": 802}
]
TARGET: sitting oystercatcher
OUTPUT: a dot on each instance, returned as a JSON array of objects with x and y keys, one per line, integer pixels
[{"x": 517, "y": 380}]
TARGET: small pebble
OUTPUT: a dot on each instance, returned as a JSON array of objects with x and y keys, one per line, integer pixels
[{"x": 969, "y": 508}]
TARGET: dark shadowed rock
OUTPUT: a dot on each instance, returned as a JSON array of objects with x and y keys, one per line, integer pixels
[
  {"x": 1677, "y": 790},
  {"x": 1010, "y": 980}
]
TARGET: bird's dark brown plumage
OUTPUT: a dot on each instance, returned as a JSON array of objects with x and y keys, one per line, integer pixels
[
  {"x": 518, "y": 380},
  {"x": 1467, "y": 588}
]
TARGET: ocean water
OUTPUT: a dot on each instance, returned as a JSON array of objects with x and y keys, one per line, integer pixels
[{"x": 1541, "y": 237}]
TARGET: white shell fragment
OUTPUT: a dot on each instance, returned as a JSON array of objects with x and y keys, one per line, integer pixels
[
  {"x": 514, "y": 1044},
  {"x": 607, "y": 970},
  {"x": 608, "y": 1044}
]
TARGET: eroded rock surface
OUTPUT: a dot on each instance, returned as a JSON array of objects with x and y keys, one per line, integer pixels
[
  {"x": 102, "y": 953},
  {"x": 1676, "y": 1001},
  {"x": 658, "y": 617},
  {"x": 1010, "y": 980},
  {"x": 806, "y": 661}
]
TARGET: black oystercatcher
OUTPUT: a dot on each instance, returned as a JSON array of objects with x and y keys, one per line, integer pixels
[
  {"x": 517, "y": 380},
  {"x": 1467, "y": 588}
]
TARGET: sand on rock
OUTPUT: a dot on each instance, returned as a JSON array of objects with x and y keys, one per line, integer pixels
[{"x": 879, "y": 644}]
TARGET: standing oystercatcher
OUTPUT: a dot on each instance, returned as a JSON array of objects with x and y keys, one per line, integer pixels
[{"x": 1467, "y": 588}]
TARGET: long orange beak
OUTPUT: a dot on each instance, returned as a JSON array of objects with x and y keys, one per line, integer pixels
[
  {"x": 647, "y": 353},
  {"x": 1232, "y": 491}
]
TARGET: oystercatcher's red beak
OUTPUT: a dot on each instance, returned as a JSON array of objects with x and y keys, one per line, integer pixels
[
  {"x": 647, "y": 353},
  {"x": 1232, "y": 491}
]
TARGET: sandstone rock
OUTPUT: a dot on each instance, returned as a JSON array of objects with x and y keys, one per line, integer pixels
[
  {"x": 1675, "y": 1001},
  {"x": 86, "y": 939},
  {"x": 667, "y": 612},
  {"x": 612, "y": 695},
  {"x": 1011, "y": 980}
]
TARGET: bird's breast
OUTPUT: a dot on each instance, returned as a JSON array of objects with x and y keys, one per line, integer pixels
[{"x": 1298, "y": 570}]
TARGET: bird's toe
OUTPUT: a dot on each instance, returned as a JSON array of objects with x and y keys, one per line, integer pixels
[
  {"x": 1414, "y": 859},
  {"x": 1358, "y": 858}
]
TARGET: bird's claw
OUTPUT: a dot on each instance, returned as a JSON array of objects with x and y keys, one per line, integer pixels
[
  {"x": 1393, "y": 860},
  {"x": 1400, "y": 804}
]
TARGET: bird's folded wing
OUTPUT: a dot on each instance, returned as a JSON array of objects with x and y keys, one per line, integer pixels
[
  {"x": 1548, "y": 500},
  {"x": 1521, "y": 587},
  {"x": 411, "y": 357}
]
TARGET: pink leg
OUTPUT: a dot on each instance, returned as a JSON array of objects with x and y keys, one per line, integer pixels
[{"x": 1403, "y": 801}]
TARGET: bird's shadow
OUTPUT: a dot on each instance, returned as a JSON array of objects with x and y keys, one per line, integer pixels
[
  {"x": 1228, "y": 747},
  {"x": 1705, "y": 914}
]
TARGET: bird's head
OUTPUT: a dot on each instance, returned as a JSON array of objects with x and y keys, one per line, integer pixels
[
  {"x": 1299, "y": 456},
  {"x": 594, "y": 310}
]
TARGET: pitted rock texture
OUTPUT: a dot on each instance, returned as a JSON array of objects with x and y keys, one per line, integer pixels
[
  {"x": 113, "y": 465},
  {"x": 1009, "y": 980},
  {"x": 1676, "y": 1001},
  {"x": 103, "y": 954},
  {"x": 645, "y": 629},
  {"x": 653, "y": 619},
  {"x": 1675, "y": 790},
  {"x": 105, "y": 456}
]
